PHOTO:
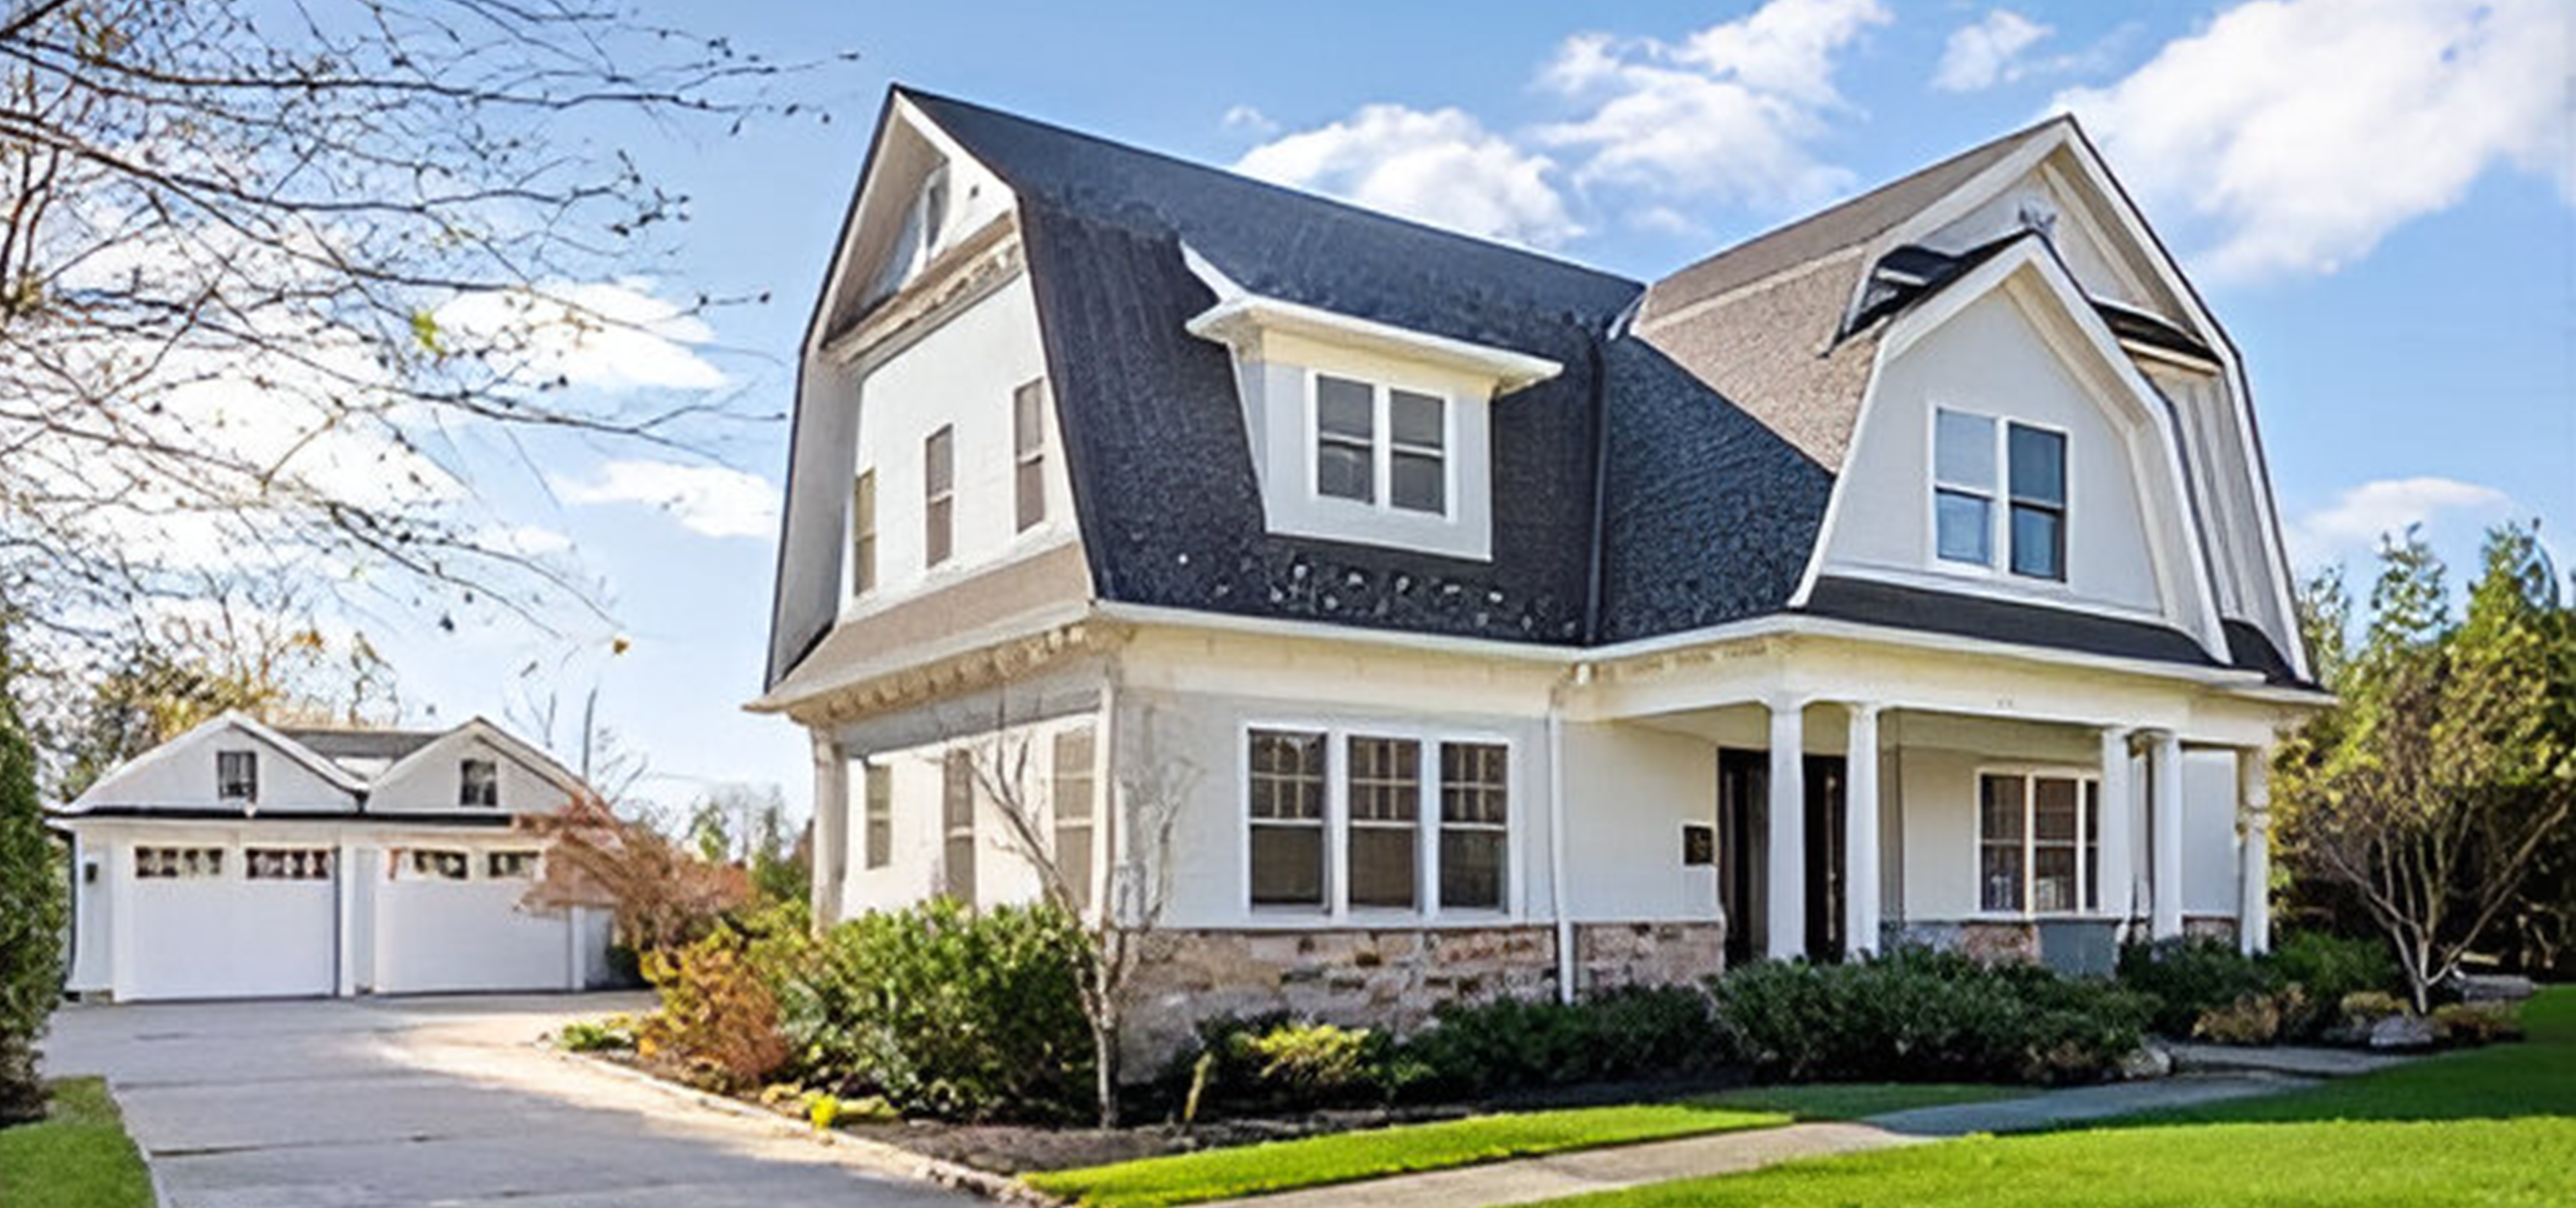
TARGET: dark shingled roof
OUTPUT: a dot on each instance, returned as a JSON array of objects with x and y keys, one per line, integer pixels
[
  {"x": 338, "y": 744},
  {"x": 1631, "y": 497}
]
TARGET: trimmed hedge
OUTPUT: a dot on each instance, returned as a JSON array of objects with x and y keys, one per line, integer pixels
[{"x": 1921, "y": 1016}]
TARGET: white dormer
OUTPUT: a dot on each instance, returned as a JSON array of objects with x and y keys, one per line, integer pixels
[{"x": 1364, "y": 431}]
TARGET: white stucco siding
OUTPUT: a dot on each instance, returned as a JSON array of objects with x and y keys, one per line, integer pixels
[
  {"x": 1991, "y": 359},
  {"x": 1628, "y": 792},
  {"x": 960, "y": 376}
]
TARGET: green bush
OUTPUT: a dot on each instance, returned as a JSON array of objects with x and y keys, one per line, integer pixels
[
  {"x": 1514, "y": 1044},
  {"x": 941, "y": 1011},
  {"x": 615, "y": 1033},
  {"x": 32, "y": 903},
  {"x": 2330, "y": 967},
  {"x": 2191, "y": 977},
  {"x": 1920, "y": 1016}
]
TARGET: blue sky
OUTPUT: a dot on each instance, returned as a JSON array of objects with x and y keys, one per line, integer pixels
[{"x": 2374, "y": 196}]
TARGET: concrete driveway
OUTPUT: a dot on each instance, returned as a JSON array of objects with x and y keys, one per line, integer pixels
[{"x": 373, "y": 1103}]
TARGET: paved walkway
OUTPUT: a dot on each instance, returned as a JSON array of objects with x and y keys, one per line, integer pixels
[
  {"x": 1532, "y": 1179},
  {"x": 403, "y": 1102}
]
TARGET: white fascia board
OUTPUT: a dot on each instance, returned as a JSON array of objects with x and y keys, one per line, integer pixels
[
  {"x": 1239, "y": 317},
  {"x": 338, "y": 777}
]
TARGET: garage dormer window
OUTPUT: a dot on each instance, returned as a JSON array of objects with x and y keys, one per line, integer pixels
[
  {"x": 237, "y": 775},
  {"x": 1988, "y": 474},
  {"x": 1380, "y": 445},
  {"x": 478, "y": 784}
]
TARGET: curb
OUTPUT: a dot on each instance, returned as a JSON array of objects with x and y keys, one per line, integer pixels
[{"x": 873, "y": 1155}]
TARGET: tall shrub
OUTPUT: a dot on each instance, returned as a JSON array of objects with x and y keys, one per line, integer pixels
[
  {"x": 1915, "y": 1015},
  {"x": 31, "y": 911}
]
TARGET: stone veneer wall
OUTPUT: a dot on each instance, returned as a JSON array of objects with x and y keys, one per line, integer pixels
[{"x": 1391, "y": 977}]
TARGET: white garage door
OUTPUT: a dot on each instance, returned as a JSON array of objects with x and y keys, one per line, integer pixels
[
  {"x": 450, "y": 921},
  {"x": 231, "y": 922}
]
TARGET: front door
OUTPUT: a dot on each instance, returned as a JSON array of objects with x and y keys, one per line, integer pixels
[{"x": 1744, "y": 853}]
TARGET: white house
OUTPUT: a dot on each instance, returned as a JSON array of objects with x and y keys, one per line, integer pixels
[
  {"x": 242, "y": 861},
  {"x": 1910, "y": 571}
]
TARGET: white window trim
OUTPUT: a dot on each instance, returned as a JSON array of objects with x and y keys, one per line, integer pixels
[
  {"x": 1382, "y": 445},
  {"x": 2027, "y": 773},
  {"x": 1998, "y": 497},
  {"x": 1337, "y": 909}
]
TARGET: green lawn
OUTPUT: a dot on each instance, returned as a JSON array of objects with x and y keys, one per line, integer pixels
[
  {"x": 2495, "y": 1127},
  {"x": 80, "y": 1158},
  {"x": 1347, "y": 1157}
]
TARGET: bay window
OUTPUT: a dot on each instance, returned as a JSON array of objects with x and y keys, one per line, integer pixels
[
  {"x": 1358, "y": 821},
  {"x": 2038, "y": 843}
]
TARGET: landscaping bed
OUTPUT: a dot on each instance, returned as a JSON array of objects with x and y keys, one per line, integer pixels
[{"x": 78, "y": 1157}]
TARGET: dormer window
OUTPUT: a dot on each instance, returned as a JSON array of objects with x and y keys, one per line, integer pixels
[
  {"x": 237, "y": 775},
  {"x": 1970, "y": 498},
  {"x": 1374, "y": 442},
  {"x": 917, "y": 241},
  {"x": 478, "y": 784}
]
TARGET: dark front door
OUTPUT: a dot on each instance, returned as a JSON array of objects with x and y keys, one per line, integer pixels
[{"x": 1744, "y": 853}]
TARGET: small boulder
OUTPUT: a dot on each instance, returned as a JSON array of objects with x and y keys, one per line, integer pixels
[
  {"x": 2402, "y": 1032},
  {"x": 2493, "y": 987},
  {"x": 2149, "y": 1060}
]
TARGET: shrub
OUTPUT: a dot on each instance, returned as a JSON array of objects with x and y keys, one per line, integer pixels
[
  {"x": 1510, "y": 1044},
  {"x": 2370, "y": 1006},
  {"x": 718, "y": 1023},
  {"x": 1275, "y": 1062},
  {"x": 2463, "y": 1024},
  {"x": 941, "y": 1011},
  {"x": 613, "y": 1034},
  {"x": 2192, "y": 976},
  {"x": 1916, "y": 1015},
  {"x": 2254, "y": 1019},
  {"x": 2331, "y": 966},
  {"x": 32, "y": 903}
]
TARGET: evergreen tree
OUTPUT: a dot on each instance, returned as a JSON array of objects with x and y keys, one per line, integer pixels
[{"x": 31, "y": 912}]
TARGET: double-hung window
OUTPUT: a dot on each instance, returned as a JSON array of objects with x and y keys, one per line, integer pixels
[
  {"x": 863, "y": 533},
  {"x": 957, "y": 826},
  {"x": 2039, "y": 843},
  {"x": 1386, "y": 820},
  {"x": 938, "y": 495},
  {"x": 1988, "y": 475},
  {"x": 237, "y": 775},
  {"x": 1384, "y": 446},
  {"x": 1071, "y": 794},
  {"x": 1475, "y": 815},
  {"x": 1028, "y": 453},
  {"x": 1287, "y": 818},
  {"x": 877, "y": 817}
]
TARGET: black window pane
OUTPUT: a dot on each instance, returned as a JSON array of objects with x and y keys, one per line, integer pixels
[
  {"x": 2002, "y": 816},
  {"x": 2038, "y": 542},
  {"x": 2053, "y": 810},
  {"x": 2001, "y": 879},
  {"x": 2052, "y": 885},
  {"x": 1420, "y": 483},
  {"x": 1382, "y": 866},
  {"x": 1345, "y": 408},
  {"x": 1416, "y": 419},
  {"x": 1287, "y": 866},
  {"x": 1345, "y": 471},
  {"x": 2038, "y": 465},
  {"x": 1471, "y": 869}
]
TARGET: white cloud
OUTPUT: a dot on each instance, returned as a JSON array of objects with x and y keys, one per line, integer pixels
[
  {"x": 1727, "y": 114},
  {"x": 610, "y": 335},
  {"x": 1442, "y": 167},
  {"x": 2361, "y": 516},
  {"x": 717, "y": 501},
  {"x": 1987, "y": 53},
  {"x": 1248, "y": 120},
  {"x": 522, "y": 540},
  {"x": 2304, "y": 131}
]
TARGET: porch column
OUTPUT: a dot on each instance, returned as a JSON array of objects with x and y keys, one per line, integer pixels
[
  {"x": 2254, "y": 857},
  {"x": 831, "y": 827},
  {"x": 1788, "y": 897},
  {"x": 2119, "y": 871},
  {"x": 1860, "y": 833},
  {"x": 2164, "y": 771}
]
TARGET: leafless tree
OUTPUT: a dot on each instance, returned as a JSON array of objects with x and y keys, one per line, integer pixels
[
  {"x": 272, "y": 275},
  {"x": 1150, "y": 785}
]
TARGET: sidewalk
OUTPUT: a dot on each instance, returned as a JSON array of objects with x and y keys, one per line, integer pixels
[{"x": 1529, "y": 1180}]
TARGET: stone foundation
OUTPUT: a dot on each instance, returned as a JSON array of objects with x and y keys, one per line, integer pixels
[{"x": 1392, "y": 978}]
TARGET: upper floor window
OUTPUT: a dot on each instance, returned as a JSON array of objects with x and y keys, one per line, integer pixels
[
  {"x": 939, "y": 495},
  {"x": 1028, "y": 452},
  {"x": 1969, "y": 496},
  {"x": 237, "y": 775},
  {"x": 478, "y": 784},
  {"x": 863, "y": 534},
  {"x": 1381, "y": 445},
  {"x": 924, "y": 220}
]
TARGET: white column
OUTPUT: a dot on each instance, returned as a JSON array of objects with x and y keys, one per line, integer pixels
[
  {"x": 1787, "y": 902},
  {"x": 2164, "y": 770},
  {"x": 2254, "y": 857},
  {"x": 1860, "y": 833},
  {"x": 831, "y": 827},
  {"x": 2119, "y": 865}
]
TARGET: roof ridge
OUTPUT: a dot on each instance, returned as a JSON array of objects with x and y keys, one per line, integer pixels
[{"x": 1308, "y": 195}]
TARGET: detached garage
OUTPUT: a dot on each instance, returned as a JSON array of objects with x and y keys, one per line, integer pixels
[{"x": 244, "y": 861}]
